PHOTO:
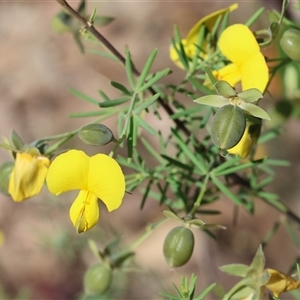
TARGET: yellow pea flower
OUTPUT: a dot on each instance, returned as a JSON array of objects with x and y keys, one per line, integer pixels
[
  {"x": 280, "y": 282},
  {"x": 248, "y": 140},
  {"x": 238, "y": 44},
  {"x": 190, "y": 42},
  {"x": 98, "y": 176},
  {"x": 28, "y": 175}
]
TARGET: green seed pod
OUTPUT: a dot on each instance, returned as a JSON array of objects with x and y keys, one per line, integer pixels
[
  {"x": 178, "y": 246},
  {"x": 228, "y": 126},
  {"x": 96, "y": 134},
  {"x": 97, "y": 279},
  {"x": 290, "y": 44}
]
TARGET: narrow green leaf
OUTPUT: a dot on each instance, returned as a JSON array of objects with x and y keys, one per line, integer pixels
[
  {"x": 114, "y": 102},
  {"x": 103, "y": 96},
  {"x": 272, "y": 199},
  {"x": 270, "y": 233},
  {"x": 206, "y": 291},
  {"x": 87, "y": 114},
  {"x": 103, "y": 20},
  {"x": 196, "y": 159},
  {"x": 146, "y": 104},
  {"x": 225, "y": 165},
  {"x": 177, "y": 163},
  {"x": 121, "y": 87},
  {"x": 128, "y": 66},
  {"x": 83, "y": 96},
  {"x": 254, "y": 17},
  {"x": 200, "y": 87},
  {"x": 146, "y": 69},
  {"x": 130, "y": 140},
  {"x": 146, "y": 193},
  {"x": 153, "y": 80},
  {"x": 145, "y": 125},
  {"x": 201, "y": 36},
  {"x": 187, "y": 112},
  {"x": 234, "y": 169},
  {"x": 220, "y": 185}
]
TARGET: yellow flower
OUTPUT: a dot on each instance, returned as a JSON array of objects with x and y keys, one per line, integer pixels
[
  {"x": 238, "y": 44},
  {"x": 190, "y": 42},
  {"x": 247, "y": 141},
  {"x": 28, "y": 175},
  {"x": 98, "y": 176},
  {"x": 280, "y": 282}
]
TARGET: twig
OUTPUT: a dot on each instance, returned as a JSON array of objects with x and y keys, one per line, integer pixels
[{"x": 90, "y": 27}]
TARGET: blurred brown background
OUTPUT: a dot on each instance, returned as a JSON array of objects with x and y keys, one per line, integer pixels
[{"x": 42, "y": 257}]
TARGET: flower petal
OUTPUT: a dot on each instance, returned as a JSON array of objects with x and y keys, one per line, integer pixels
[
  {"x": 68, "y": 171},
  {"x": 84, "y": 212},
  {"x": 255, "y": 73},
  {"x": 209, "y": 22},
  {"x": 230, "y": 73},
  {"x": 280, "y": 282},
  {"x": 106, "y": 180},
  {"x": 28, "y": 176},
  {"x": 247, "y": 141},
  {"x": 238, "y": 44}
]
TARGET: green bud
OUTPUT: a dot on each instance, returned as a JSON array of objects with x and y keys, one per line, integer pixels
[
  {"x": 97, "y": 279},
  {"x": 96, "y": 134},
  {"x": 5, "y": 171},
  {"x": 228, "y": 126},
  {"x": 290, "y": 43},
  {"x": 178, "y": 246}
]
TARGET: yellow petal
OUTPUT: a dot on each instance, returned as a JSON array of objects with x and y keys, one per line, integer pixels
[
  {"x": 255, "y": 73},
  {"x": 238, "y": 44},
  {"x": 192, "y": 37},
  {"x": 28, "y": 176},
  {"x": 209, "y": 22},
  {"x": 280, "y": 282},
  {"x": 84, "y": 212},
  {"x": 106, "y": 180},
  {"x": 247, "y": 141},
  {"x": 68, "y": 171},
  {"x": 230, "y": 73}
]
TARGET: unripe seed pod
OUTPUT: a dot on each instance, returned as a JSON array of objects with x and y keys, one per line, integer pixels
[
  {"x": 97, "y": 279},
  {"x": 290, "y": 43},
  {"x": 95, "y": 134},
  {"x": 228, "y": 126},
  {"x": 178, "y": 246}
]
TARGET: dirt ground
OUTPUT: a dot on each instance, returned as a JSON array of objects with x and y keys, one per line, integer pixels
[{"x": 42, "y": 256}]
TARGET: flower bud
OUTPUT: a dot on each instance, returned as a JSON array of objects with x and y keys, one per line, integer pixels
[
  {"x": 97, "y": 279},
  {"x": 290, "y": 43},
  {"x": 178, "y": 246},
  {"x": 95, "y": 134},
  {"x": 228, "y": 126}
]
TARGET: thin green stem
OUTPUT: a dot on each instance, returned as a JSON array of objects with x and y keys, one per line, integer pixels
[
  {"x": 149, "y": 230},
  {"x": 200, "y": 197}
]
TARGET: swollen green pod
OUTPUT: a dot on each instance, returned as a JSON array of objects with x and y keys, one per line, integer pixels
[
  {"x": 228, "y": 126},
  {"x": 290, "y": 43},
  {"x": 95, "y": 134},
  {"x": 97, "y": 279},
  {"x": 178, "y": 246}
]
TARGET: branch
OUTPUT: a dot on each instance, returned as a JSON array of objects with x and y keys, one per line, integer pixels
[{"x": 90, "y": 27}]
